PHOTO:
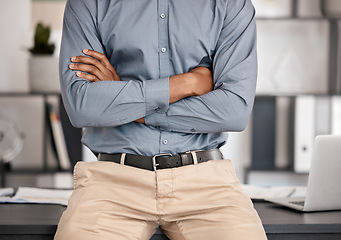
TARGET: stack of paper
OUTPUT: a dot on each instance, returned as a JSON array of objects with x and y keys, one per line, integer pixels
[
  {"x": 5, "y": 194},
  {"x": 39, "y": 195},
  {"x": 256, "y": 192}
]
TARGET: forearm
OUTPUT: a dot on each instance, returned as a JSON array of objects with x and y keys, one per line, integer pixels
[
  {"x": 180, "y": 87},
  {"x": 194, "y": 83},
  {"x": 197, "y": 82},
  {"x": 112, "y": 103},
  {"x": 217, "y": 111}
]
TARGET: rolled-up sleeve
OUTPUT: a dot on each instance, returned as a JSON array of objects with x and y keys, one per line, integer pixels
[
  {"x": 229, "y": 105},
  {"x": 104, "y": 103}
]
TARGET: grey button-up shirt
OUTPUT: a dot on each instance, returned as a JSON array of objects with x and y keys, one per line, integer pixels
[{"x": 147, "y": 41}]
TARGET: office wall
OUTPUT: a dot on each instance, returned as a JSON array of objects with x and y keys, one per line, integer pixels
[
  {"x": 15, "y": 30},
  {"x": 50, "y": 13}
]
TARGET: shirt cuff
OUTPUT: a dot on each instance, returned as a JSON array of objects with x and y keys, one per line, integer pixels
[{"x": 157, "y": 95}]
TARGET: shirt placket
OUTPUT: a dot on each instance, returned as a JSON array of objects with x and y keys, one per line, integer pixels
[{"x": 163, "y": 51}]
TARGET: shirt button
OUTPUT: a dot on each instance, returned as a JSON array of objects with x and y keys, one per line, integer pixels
[
  {"x": 163, "y": 15},
  {"x": 193, "y": 130},
  {"x": 157, "y": 109},
  {"x": 165, "y": 142},
  {"x": 163, "y": 49}
]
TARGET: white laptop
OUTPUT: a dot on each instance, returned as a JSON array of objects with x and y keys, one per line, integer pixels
[{"x": 324, "y": 183}]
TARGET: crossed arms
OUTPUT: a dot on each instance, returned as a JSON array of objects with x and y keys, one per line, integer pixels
[
  {"x": 194, "y": 102},
  {"x": 96, "y": 67}
]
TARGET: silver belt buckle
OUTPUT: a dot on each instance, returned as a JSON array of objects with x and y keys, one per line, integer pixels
[{"x": 159, "y": 155}]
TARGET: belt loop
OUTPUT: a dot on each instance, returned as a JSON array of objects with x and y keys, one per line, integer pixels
[
  {"x": 123, "y": 158},
  {"x": 194, "y": 156}
]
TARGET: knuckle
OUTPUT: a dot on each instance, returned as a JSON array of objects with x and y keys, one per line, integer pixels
[
  {"x": 78, "y": 66},
  {"x": 82, "y": 59},
  {"x": 92, "y": 68},
  {"x": 93, "y": 61},
  {"x": 88, "y": 77}
]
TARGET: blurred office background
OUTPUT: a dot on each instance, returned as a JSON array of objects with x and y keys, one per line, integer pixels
[{"x": 298, "y": 94}]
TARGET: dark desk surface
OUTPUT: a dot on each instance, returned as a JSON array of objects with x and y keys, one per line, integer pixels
[
  {"x": 21, "y": 221},
  {"x": 281, "y": 220}
]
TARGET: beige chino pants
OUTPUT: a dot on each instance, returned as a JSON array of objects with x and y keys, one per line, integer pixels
[{"x": 196, "y": 202}]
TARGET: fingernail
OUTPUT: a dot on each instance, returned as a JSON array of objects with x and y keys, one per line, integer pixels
[
  {"x": 71, "y": 65},
  {"x": 85, "y": 51},
  {"x": 73, "y": 59},
  {"x": 78, "y": 73}
]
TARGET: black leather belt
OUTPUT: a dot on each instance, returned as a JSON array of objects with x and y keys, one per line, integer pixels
[{"x": 162, "y": 161}]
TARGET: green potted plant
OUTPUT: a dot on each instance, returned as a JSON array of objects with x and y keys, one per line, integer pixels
[
  {"x": 41, "y": 41},
  {"x": 43, "y": 66}
]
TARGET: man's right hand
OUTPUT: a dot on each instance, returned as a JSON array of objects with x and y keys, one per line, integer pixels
[
  {"x": 94, "y": 67},
  {"x": 203, "y": 80},
  {"x": 194, "y": 83}
]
